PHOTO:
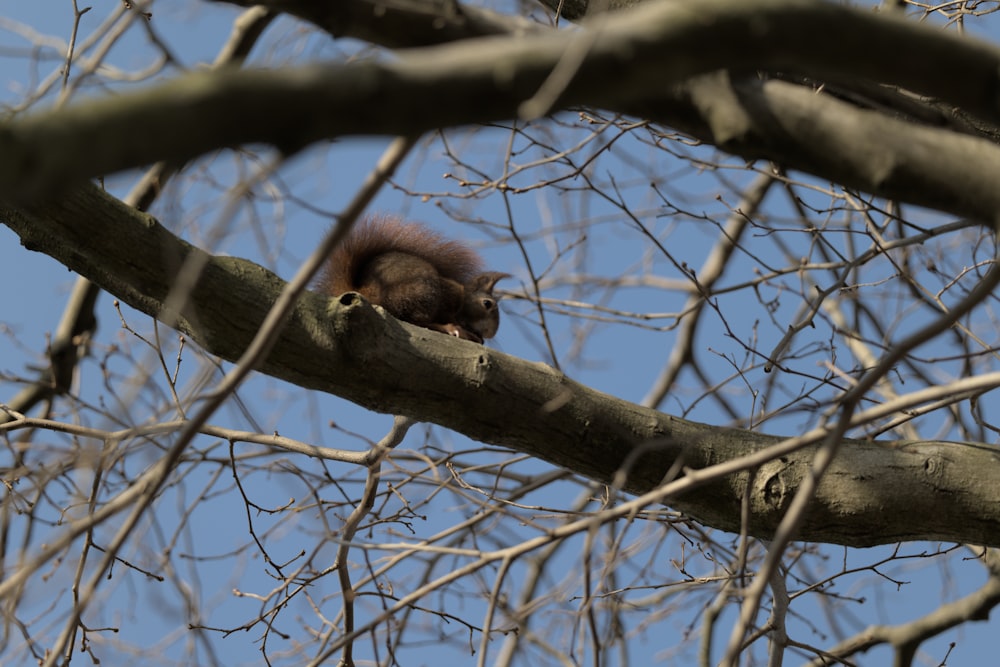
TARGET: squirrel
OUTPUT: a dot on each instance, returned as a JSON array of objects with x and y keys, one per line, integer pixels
[{"x": 417, "y": 276}]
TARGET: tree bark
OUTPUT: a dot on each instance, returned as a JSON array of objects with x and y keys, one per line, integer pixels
[
  {"x": 875, "y": 492},
  {"x": 645, "y": 61}
]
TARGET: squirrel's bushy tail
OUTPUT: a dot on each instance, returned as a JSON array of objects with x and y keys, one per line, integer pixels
[{"x": 381, "y": 234}]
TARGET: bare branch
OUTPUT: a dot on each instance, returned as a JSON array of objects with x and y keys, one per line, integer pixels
[
  {"x": 349, "y": 350},
  {"x": 631, "y": 59}
]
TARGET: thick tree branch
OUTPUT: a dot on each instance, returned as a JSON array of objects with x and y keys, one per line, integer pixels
[
  {"x": 799, "y": 128},
  {"x": 398, "y": 23},
  {"x": 629, "y": 61},
  {"x": 873, "y": 493}
]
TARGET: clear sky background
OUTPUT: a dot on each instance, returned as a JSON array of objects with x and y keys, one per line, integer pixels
[{"x": 619, "y": 359}]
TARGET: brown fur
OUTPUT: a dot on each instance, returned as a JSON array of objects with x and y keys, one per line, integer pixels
[{"x": 417, "y": 276}]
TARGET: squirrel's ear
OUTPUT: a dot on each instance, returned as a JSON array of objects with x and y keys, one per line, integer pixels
[{"x": 485, "y": 282}]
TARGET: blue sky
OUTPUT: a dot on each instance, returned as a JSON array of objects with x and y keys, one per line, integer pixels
[{"x": 622, "y": 356}]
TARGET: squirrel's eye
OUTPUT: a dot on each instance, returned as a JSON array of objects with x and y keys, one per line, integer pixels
[{"x": 488, "y": 304}]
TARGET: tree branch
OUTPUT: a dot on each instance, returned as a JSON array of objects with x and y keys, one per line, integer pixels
[
  {"x": 627, "y": 63},
  {"x": 873, "y": 493},
  {"x": 398, "y": 23},
  {"x": 906, "y": 638}
]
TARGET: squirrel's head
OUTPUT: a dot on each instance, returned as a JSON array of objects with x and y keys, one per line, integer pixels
[{"x": 480, "y": 314}]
